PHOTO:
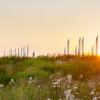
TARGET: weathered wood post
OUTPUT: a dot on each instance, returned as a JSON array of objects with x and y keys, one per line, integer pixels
[
  {"x": 24, "y": 52},
  {"x": 65, "y": 51},
  {"x": 10, "y": 53},
  {"x": 15, "y": 52},
  {"x": 97, "y": 46},
  {"x": 92, "y": 51},
  {"x": 4, "y": 54},
  {"x": 21, "y": 52},
  {"x": 68, "y": 46},
  {"x": 18, "y": 52},
  {"x": 76, "y": 50},
  {"x": 79, "y": 46},
  {"x": 83, "y": 46},
  {"x": 27, "y": 50},
  {"x": 33, "y": 54}
]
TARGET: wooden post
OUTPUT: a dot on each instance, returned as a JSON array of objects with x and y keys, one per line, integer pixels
[
  {"x": 92, "y": 51},
  {"x": 65, "y": 51},
  {"x": 15, "y": 52},
  {"x": 4, "y": 54},
  {"x": 83, "y": 46},
  {"x": 79, "y": 47},
  {"x": 24, "y": 52},
  {"x": 76, "y": 50},
  {"x": 27, "y": 50},
  {"x": 97, "y": 46},
  {"x": 18, "y": 52},
  {"x": 11, "y": 52},
  {"x": 21, "y": 52},
  {"x": 68, "y": 47}
]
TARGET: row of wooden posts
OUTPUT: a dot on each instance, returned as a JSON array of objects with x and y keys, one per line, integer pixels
[
  {"x": 19, "y": 52},
  {"x": 79, "y": 50}
]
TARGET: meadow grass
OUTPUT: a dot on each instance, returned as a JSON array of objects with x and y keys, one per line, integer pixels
[{"x": 44, "y": 70}]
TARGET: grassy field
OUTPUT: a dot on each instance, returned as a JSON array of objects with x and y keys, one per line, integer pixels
[{"x": 44, "y": 71}]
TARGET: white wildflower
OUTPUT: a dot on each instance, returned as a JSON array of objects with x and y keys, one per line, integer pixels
[
  {"x": 67, "y": 93},
  {"x": 48, "y": 99},
  {"x": 30, "y": 81},
  {"x": 1, "y": 85},
  {"x": 75, "y": 88},
  {"x": 30, "y": 78},
  {"x": 92, "y": 93},
  {"x": 56, "y": 83},
  {"x": 60, "y": 99},
  {"x": 12, "y": 81},
  {"x": 71, "y": 97},
  {"x": 94, "y": 89},
  {"x": 94, "y": 98},
  {"x": 77, "y": 93}
]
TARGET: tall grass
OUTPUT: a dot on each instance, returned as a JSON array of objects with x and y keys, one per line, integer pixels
[{"x": 41, "y": 69}]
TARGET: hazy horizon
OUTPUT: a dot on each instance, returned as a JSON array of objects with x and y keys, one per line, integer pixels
[{"x": 46, "y": 25}]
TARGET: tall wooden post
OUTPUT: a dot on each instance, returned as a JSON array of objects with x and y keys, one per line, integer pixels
[
  {"x": 76, "y": 50},
  {"x": 27, "y": 50},
  {"x": 65, "y": 51},
  {"x": 24, "y": 52},
  {"x": 92, "y": 51},
  {"x": 21, "y": 52},
  {"x": 68, "y": 47},
  {"x": 79, "y": 46},
  {"x": 83, "y": 46},
  {"x": 11, "y": 52},
  {"x": 15, "y": 52},
  {"x": 96, "y": 45},
  {"x": 18, "y": 52},
  {"x": 4, "y": 54}
]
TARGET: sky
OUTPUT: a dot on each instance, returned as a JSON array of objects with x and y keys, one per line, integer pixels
[{"x": 45, "y": 25}]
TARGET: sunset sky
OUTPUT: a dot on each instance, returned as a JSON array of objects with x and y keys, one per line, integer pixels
[{"x": 46, "y": 25}]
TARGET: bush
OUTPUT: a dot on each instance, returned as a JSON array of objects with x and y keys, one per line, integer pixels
[{"x": 4, "y": 77}]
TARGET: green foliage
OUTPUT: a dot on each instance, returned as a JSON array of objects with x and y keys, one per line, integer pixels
[
  {"x": 4, "y": 77},
  {"x": 41, "y": 69},
  {"x": 84, "y": 91}
]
